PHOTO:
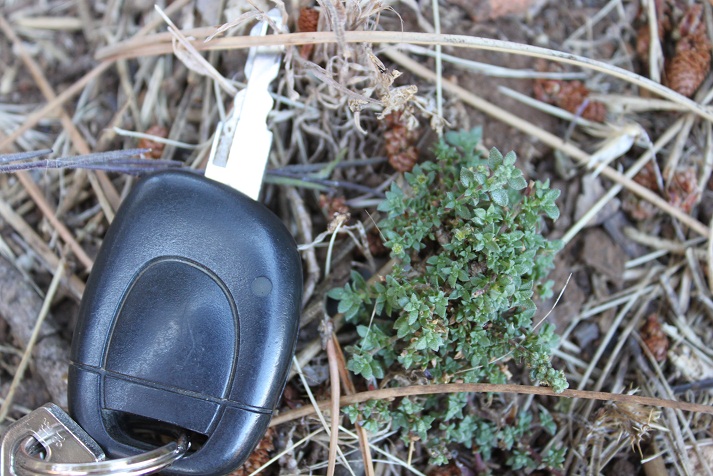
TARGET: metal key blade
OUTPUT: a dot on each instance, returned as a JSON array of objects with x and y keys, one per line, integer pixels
[
  {"x": 62, "y": 439},
  {"x": 242, "y": 145}
]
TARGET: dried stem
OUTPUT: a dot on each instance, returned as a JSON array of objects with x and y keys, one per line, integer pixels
[
  {"x": 397, "y": 392},
  {"x": 334, "y": 397},
  {"x": 152, "y": 46}
]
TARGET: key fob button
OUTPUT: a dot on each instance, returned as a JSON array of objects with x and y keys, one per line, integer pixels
[
  {"x": 190, "y": 315},
  {"x": 189, "y": 318},
  {"x": 187, "y": 309}
]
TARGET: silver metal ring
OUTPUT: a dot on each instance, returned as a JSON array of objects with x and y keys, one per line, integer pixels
[{"x": 145, "y": 463}]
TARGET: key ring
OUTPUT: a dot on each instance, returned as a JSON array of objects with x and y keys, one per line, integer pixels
[{"x": 145, "y": 463}]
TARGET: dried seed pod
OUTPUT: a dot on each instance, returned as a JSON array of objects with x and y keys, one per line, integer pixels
[
  {"x": 654, "y": 337},
  {"x": 572, "y": 96},
  {"x": 338, "y": 220},
  {"x": 333, "y": 205},
  {"x": 308, "y": 21},
  {"x": 156, "y": 147},
  {"x": 691, "y": 62},
  {"x": 400, "y": 143}
]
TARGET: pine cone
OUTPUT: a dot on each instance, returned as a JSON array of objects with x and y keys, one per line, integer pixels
[
  {"x": 570, "y": 96},
  {"x": 396, "y": 140},
  {"x": 643, "y": 42},
  {"x": 405, "y": 161},
  {"x": 647, "y": 177},
  {"x": 640, "y": 209},
  {"x": 688, "y": 68},
  {"x": 654, "y": 337},
  {"x": 400, "y": 144},
  {"x": 692, "y": 60}
]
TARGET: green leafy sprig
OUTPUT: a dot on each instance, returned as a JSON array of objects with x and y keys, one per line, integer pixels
[{"x": 465, "y": 230}]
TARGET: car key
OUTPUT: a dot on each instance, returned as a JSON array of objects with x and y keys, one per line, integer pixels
[
  {"x": 48, "y": 442},
  {"x": 190, "y": 315},
  {"x": 61, "y": 440}
]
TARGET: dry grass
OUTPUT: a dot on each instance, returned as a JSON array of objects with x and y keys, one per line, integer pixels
[{"x": 82, "y": 79}]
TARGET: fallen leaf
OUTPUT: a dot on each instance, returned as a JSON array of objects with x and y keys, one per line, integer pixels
[
  {"x": 605, "y": 256},
  {"x": 592, "y": 191}
]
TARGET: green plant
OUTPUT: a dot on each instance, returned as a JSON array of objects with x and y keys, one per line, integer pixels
[{"x": 466, "y": 233}]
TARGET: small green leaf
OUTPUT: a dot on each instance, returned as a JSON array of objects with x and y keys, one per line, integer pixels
[
  {"x": 495, "y": 159},
  {"x": 546, "y": 420},
  {"x": 499, "y": 197},
  {"x": 377, "y": 370},
  {"x": 352, "y": 412},
  {"x": 552, "y": 211},
  {"x": 336, "y": 293},
  {"x": 467, "y": 177},
  {"x": 517, "y": 183},
  {"x": 509, "y": 159},
  {"x": 466, "y": 140}
]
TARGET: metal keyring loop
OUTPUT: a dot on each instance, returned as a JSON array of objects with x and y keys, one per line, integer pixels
[{"x": 145, "y": 463}]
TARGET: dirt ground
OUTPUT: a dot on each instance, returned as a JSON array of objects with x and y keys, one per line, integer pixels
[{"x": 635, "y": 308}]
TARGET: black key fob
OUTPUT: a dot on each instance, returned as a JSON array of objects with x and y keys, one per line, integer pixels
[{"x": 188, "y": 323}]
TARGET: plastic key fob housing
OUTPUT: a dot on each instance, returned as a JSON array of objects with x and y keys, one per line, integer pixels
[{"x": 190, "y": 319}]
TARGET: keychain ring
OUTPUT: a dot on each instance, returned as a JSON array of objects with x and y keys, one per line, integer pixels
[{"x": 145, "y": 463}]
